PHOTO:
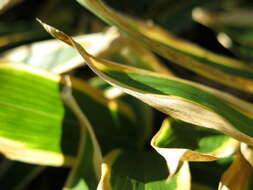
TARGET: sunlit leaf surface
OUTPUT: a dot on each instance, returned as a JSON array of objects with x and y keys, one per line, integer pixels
[
  {"x": 129, "y": 170},
  {"x": 178, "y": 141},
  {"x": 216, "y": 67},
  {"x": 184, "y": 100},
  {"x": 38, "y": 128}
]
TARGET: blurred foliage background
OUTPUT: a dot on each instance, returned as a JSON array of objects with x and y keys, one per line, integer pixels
[{"x": 18, "y": 25}]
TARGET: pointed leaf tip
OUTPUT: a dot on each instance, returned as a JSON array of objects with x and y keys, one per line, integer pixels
[{"x": 56, "y": 33}]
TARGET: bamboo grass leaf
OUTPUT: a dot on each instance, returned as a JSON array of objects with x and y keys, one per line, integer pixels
[
  {"x": 183, "y": 100},
  {"x": 187, "y": 142},
  {"x": 247, "y": 153},
  {"x": 237, "y": 176},
  {"x": 215, "y": 67},
  {"x": 143, "y": 112},
  {"x": 87, "y": 169},
  {"x": 50, "y": 55},
  {"x": 128, "y": 170},
  {"x": 29, "y": 97},
  {"x": 35, "y": 123},
  {"x": 130, "y": 52},
  {"x": 115, "y": 116}
]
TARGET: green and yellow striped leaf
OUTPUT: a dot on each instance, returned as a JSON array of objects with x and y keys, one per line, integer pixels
[
  {"x": 36, "y": 127},
  {"x": 53, "y": 56},
  {"x": 182, "y": 99},
  {"x": 32, "y": 117},
  {"x": 129, "y": 52},
  {"x": 130, "y": 170},
  {"x": 215, "y": 67},
  {"x": 178, "y": 141}
]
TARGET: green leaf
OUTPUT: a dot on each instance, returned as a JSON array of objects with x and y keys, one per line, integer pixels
[
  {"x": 114, "y": 116},
  {"x": 182, "y": 99},
  {"x": 36, "y": 124},
  {"x": 53, "y": 56},
  {"x": 31, "y": 117},
  {"x": 215, "y": 67},
  {"x": 128, "y": 170},
  {"x": 129, "y": 52},
  {"x": 187, "y": 142},
  {"x": 209, "y": 173},
  {"x": 87, "y": 169},
  {"x": 143, "y": 112}
]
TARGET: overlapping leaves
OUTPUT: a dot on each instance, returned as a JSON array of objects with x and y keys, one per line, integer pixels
[
  {"x": 120, "y": 171},
  {"x": 187, "y": 142},
  {"x": 72, "y": 131},
  {"x": 218, "y": 68},
  {"x": 184, "y": 100}
]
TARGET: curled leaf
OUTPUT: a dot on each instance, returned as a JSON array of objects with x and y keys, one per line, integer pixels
[
  {"x": 247, "y": 152},
  {"x": 177, "y": 141},
  {"x": 185, "y": 54},
  {"x": 50, "y": 55},
  {"x": 183, "y": 100},
  {"x": 237, "y": 175}
]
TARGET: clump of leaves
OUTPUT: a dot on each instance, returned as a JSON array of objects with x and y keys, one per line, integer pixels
[{"x": 101, "y": 126}]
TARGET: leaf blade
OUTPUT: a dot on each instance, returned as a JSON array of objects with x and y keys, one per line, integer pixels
[
  {"x": 144, "y": 86},
  {"x": 215, "y": 67},
  {"x": 120, "y": 171}
]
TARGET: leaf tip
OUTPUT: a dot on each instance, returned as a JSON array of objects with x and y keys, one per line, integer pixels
[{"x": 56, "y": 33}]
